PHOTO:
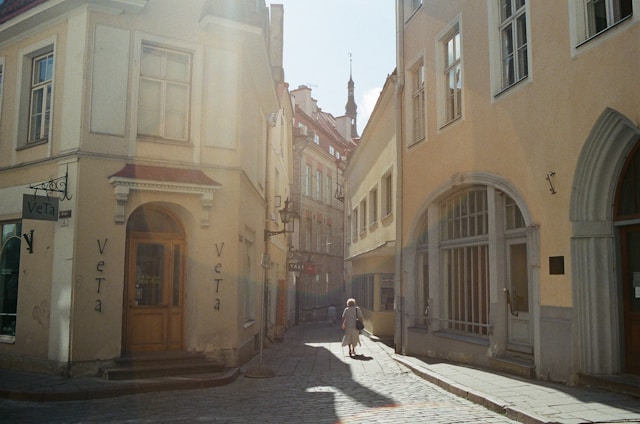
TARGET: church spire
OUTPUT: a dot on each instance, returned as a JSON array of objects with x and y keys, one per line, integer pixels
[{"x": 351, "y": 108}]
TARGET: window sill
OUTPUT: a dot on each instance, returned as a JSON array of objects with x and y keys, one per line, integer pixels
[
  {"x": 168, "y": 141},
  {"x": 450, "y": 123},
  {"x": 415, "y": 142},
  {"x": 604, "y": 31},
  {"x": 510, "y": 86},
  {"x": 387, "y": 218},
  {"x": 249, "y": 323},
  {"x": 7, "y": 339},
  {"x": 32, "y": 144}
]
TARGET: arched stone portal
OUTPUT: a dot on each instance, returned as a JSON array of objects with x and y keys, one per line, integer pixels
[{"x": 593, "y": 245}]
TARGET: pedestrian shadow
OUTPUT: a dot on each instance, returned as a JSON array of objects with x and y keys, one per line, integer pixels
[
  {"x": 310, "y": 354},
  {"x": 360, "y": 357}
]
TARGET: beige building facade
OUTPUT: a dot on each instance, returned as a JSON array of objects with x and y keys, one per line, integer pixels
[
  {"x": 319, "y": 149},
  {"x": 134, "y": 183},
  {"x": 519, "y": 221},
  {"x": 370, "y": 190}
]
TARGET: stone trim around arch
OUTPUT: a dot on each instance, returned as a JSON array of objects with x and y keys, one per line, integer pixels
[
  {"x": 409, "y": 249},
  {"x": 593, "y": 249},
  {"x": 469, "y": 179}
]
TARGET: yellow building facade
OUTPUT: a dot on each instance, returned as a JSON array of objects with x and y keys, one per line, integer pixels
[
  {"x": 370, "y": 193},
  {"x": 140, "y": 129},
  {"x": 519, "y": 223}
]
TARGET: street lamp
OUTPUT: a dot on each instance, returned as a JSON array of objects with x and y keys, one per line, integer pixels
[{"x": 286, "y": 215}]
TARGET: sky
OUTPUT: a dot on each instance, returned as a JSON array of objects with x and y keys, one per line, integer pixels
[{"x": 320, "y": 36}]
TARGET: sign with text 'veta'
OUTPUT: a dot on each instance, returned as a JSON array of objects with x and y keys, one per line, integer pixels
[{"x": 42, "y": 208}]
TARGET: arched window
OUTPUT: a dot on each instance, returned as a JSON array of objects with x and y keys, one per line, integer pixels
[{"x": 453, "y": 259}]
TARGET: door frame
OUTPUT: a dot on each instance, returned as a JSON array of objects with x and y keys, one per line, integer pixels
[
  {"x": 626, "y": 314},
  {"x": 514, "y": 316},
  {"x": 170, "y": 314}
]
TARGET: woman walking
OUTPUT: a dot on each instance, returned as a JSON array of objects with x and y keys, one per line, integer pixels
[{"x": 351, "y": 334}]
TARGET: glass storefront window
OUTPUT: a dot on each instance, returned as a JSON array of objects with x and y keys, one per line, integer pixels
[{"x": 9, "y": 272}]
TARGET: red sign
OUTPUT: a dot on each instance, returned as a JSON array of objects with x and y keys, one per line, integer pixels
[{"x": 310, "y": 268}]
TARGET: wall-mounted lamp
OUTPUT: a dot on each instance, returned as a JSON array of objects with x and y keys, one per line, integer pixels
[
  {"x": 550, "y": 176},
  {"x": 286, "y": 215}
]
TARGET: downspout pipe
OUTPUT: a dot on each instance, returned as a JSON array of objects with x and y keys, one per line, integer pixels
[{"x": 399, "y": 279}]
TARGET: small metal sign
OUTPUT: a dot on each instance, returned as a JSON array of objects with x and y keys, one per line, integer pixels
[
  {"x": 296, "y": 267},
  {"x": 42, "y": 208}
]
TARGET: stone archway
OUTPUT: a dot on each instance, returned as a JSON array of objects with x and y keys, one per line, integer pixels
[{"x": 593, "y": 251}]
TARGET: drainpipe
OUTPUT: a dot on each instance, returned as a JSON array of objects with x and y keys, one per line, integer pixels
[{"x": 399, "y": 280}]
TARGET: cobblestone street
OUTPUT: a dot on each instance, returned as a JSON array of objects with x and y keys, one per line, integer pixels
[{"x": 316, "y": 382}]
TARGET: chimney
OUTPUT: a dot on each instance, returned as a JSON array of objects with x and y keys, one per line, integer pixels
[{"x": 276, "y": 43}]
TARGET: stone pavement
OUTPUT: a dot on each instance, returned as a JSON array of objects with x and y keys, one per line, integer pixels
[{"x": 314, "y": 349}]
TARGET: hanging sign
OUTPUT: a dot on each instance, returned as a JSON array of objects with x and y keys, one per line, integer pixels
[
  {"x": 42, "y": 208},
  {"x": 295, "y": 266}
]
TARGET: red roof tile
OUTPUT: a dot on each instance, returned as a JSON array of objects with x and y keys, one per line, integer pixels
[{"x": 11, "y": 8}]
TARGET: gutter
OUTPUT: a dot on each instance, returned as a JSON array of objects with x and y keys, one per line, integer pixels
[{"x": 398, "y": 279}]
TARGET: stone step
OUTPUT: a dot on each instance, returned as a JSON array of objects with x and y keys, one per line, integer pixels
[
  {"x": 620, "y": 383},
  {"x": 513, "y": 366},
  {"x": 152, "y": 365}
]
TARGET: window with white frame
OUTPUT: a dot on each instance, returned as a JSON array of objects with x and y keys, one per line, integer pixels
[
  {"x": 40, "y": 101},
  {"x": 318, "y": 191},
  {"x": 363, "y": 215},
  {"x": 387, "y": 195},
  {"x": 354, "y": 224},
  {"x": 307, "y": 235},
  {"x": 373, "y": 206},
  {"x": 513, "y": 41},
  {"x": 10, "y": 266},
  {"x": 329, "y": 242},
  {"x": 464, "y": 253},
  {"x": 307, "y": 180},
  {"x": 599, "y": 15},
  {"x": 452, "y": 75},
  {"x": 328, "y": 189},
  {"x": 411, "y": 6},
  {"x": 417, "y": 103},
  {"x": 164, "y": 93}
]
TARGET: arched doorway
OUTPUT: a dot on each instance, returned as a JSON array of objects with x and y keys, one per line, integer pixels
[
  {"x": 154, "y": 281},
  {"x": 595, "y": 275},
  {"x": 627, "y": 219}
]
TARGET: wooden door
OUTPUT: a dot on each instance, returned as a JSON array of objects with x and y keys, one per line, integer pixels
[
  {"x": 153, "y": 319},
  {"x": 630, "y": 252},
  {"x": 154, "y": 281}
]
